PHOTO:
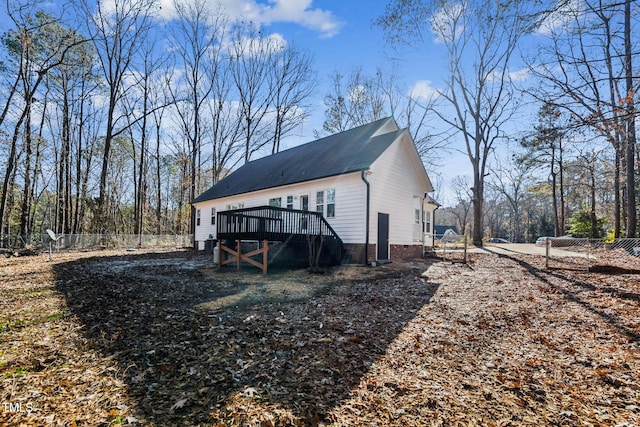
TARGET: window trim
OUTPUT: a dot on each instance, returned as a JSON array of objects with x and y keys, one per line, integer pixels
[
  {"x": 331, "y": 201},
  {"x": 272, "y": 204},
  {"x": 427, "y": 221},
  {"x": 320, "y": 202}
]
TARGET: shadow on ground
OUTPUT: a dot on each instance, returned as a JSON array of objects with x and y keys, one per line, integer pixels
[
  {"x": 198, "y": 346},
  {"x": 580, "y": 287}
]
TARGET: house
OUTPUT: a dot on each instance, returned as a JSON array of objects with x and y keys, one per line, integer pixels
[
  {"x": 367, "y": 185},
  {"x": 439, "y": 230}
]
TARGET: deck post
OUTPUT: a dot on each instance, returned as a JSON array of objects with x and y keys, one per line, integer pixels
[
  {"x": 239, "y": 249},
  {"x": 265, "y": 248},
  {"x": 219, "y": 254}
]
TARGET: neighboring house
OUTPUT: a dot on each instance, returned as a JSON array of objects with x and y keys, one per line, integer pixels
[
  {"x": 439, "y": 230},
  {"x": 368, "y": 183}
]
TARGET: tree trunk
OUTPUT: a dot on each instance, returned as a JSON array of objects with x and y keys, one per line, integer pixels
[
  {"x": 630, "y": 123},
  {"x": 158, "y": 183},
  {"x": 25, "y": 208},
  {"x": 10, "y": 169},
  {"x": 478, "y": 199}
]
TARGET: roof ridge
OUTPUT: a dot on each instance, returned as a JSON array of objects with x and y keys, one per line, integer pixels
[{"x": 344, "y": 152}]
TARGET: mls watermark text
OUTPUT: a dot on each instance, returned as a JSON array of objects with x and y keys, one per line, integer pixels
[{"x": 17, "y": 407}]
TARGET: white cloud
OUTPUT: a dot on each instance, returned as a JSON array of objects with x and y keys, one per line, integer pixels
[
  {"x": 561, "y": 18},
  {"x": 422, "y": 89},
  {"x": 299, "y": 12},
  {"x": 516, "y": 76},
  {"x": 520, "y": 75},
  {"x": 255, "y": 46},
  {"x": 446, "y": 23}
]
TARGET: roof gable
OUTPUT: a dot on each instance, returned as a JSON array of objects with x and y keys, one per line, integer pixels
[{"x": 345, "y": 152}]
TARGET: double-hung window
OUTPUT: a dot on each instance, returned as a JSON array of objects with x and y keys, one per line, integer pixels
[
  {"x": 320, "y": 202},
  {"x": 198, "y": 217},
  {"x": 326, "y": 198},
  {"x": 331, "y": 203},
  {"x": 213, "y": 216},
  {"x": 276, "y": 202},
  {"x": 427, "y": 222}
]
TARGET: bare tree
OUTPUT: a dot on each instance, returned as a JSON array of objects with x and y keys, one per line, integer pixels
[
  {"x": 38, "y": 45},
  {"x": 584, "y": 69},
  {"x": 225, "y": 130},
  {"x": 480, "y": 39},
  {"x": 368, "y": 98},
  {"x": 462, "y": 189},
  {"x": 546, "y": 148},
  {"x": 140, "y": 106},
  {"x": 196, "y": 39},
  {"x": 292, "y": 81},
  {"x": 630, "y": 123},
  {"x": 117, "y": 33},
  {"x": 250, "y": 59},
  {"x": 512, "y": 184},
  {"x": 358, "y": 102}
]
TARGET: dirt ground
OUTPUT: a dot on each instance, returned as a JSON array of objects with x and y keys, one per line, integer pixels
[{"x": 157, "y": 339}]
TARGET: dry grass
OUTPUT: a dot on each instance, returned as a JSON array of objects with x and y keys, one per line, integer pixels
[{"x": 160, "y": 339}]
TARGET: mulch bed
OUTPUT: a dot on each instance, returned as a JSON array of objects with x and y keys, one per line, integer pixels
[{"x": 117, "y": 338}]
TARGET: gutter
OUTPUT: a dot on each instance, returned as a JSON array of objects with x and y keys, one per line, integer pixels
[{"x": 366, "y": 243}]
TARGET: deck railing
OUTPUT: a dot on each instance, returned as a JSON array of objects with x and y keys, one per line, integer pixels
[{"x": 277, "y": 224}]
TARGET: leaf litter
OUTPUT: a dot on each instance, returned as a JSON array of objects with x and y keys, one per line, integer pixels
[{"x": 155, "y": 339}]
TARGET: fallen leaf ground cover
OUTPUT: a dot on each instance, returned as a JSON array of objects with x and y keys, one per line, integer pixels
[{"x": 117, "y": 338}]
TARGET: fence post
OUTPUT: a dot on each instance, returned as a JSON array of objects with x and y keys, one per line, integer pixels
[
  {"x": 547, "y": 244},
  {"x": 465, "y": 248}
]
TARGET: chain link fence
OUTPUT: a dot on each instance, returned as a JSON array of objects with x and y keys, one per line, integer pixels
[
  {"x": 589, "y": 254},
  {"x": 97, "y": 241}
]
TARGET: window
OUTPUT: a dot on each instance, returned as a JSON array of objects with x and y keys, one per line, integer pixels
[
  {"x": 198, "y": 217},
  {"x": 276, "y": 202},
  {"x": 417, "y": 216},
  {"x": 331, "y": 203},
  {"x": 304, "y": 206},
  {"x": 235, "y": 206},
  {"x": 320, "y": 202},
  {"x": 427, "y": 222},
  {"x": 213, "y": 216},
  {"x": 289, "y": 202}
]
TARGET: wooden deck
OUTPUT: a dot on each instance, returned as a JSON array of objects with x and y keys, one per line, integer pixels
[{"x": 273, "y": 224}]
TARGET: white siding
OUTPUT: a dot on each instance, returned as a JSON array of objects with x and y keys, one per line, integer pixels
[
  {"x": 398, "y": 185},
  {"x": 350, "y": 200},
  {"x": 395, "y": 182}
]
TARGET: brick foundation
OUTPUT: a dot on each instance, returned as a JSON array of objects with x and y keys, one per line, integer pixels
[
  {"x": 405, "y": 252},
  {"x": 355, "y": 252}
]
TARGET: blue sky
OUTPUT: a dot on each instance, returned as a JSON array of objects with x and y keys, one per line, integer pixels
[
  {"x": 341, "y": 36},
  {"x": 344, "y": 38},
  {"x": 350, "y": 41}
]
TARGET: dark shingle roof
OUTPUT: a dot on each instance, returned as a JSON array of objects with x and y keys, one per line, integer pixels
[
  {"x": 441, "y": 229},
  {"x": 349, "y": 151}
]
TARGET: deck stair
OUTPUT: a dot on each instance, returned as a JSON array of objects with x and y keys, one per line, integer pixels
[{"x": 276, "y": 224}]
